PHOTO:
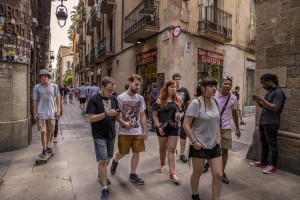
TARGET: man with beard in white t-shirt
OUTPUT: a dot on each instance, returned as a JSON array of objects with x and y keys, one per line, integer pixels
[{"x": 133, "y": 129}]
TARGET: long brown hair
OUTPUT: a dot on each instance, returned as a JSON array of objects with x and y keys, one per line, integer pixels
[{"x": 164, "y": 95}]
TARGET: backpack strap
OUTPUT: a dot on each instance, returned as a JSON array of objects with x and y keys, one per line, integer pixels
[{"x": 223, "y": 109}]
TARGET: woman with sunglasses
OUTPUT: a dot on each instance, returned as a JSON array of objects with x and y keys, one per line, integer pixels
[
  {"x": 202, "y": 126},
  {"x": 167, "y": 112}
]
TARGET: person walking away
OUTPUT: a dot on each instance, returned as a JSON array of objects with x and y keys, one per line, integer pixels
[
  {"x": 82, "y": 90},
  {"x": 237, "y": 94},
  {"x": 186, "y": 99},
  {"x": 272, "y": 106},
  {"x": 102, "y": 111},
  {"x": 65, "y": 93},
  {"x": 167, "y": 114},
  {"x": 154, "y": 95},
  {"x": 202, "y": 126},
  {"x": 228, "y": 107},
  {"x": 71, "y": 93},
  {"x": 46, "y": 108},
  {"x": 133, "y": 128},
  {"x": 94, "y": 89}
]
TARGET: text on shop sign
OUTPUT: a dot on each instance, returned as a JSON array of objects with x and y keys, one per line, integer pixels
[
  {"x": 147, "y": 57},
  {"x": 210, "y": 57}
]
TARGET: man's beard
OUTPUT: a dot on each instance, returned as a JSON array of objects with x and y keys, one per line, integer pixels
[{"x": 134, "y": 91}]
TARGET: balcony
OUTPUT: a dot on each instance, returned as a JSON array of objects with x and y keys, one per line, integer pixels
[
  {"x": 81, "y": 40},
  {"x": 89, "y": 28},
  {"x": 105, "y": 48},
  {"x": 107, "y": 6},
  {"x": 82, "y": 65},
  {"x": 142, "y": 22},
  {"x": 90, "y": 2},
  {"x": 87, "y": 60},
  {"x": 96, "y": 17},
  {"x": 215, "y": 24},
  {"x": 93, "y": 55}
]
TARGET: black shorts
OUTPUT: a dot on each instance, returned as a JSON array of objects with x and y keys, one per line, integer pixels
[
  {"x": 205, "y": 153},
  {"x": 169, "y": 132},
  {"x": 82, "y": 100}
]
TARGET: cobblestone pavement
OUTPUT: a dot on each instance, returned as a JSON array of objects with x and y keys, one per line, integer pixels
[{"x": 72, "y": 172}]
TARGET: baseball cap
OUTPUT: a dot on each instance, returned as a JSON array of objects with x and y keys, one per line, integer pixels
[{"x": 45, "y": 72}]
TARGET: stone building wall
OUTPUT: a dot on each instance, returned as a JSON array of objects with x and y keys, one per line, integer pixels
[{"x": 278, "y": 51}]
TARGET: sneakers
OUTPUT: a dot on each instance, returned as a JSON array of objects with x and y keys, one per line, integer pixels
[
  {"x": 183, "y": 158},
  {"x": 44, "y": 154},
  {"x": 113, "y": 167},
  {"x": 49, "y": 150},
  {"x": 108, "y": 182},
  {"x": 225, "y": 179},
  {"x": 270, "y": 169},
  {"x": 195, "y": 197},
  {"x": 105, "y": 194},
  {"x": 135, "y": 179},
  {"x": 258, "y": 164},
  {"x": 206, "y": 166}
]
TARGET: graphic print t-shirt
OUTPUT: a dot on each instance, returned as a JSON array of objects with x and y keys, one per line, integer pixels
[{"x": 131, "y": 107}]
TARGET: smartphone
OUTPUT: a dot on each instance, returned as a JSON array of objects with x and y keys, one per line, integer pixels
[{"x": 119, "y": 110}]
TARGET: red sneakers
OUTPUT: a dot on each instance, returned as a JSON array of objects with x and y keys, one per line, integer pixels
[
  {"x": 258, "y": 164},
  {"x": 270, "y": 169}
]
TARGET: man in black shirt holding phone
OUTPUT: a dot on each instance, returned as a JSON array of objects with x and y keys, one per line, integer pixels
[
  {"x": 272, "y": 106},
  {"x": 103, "y": 109}
]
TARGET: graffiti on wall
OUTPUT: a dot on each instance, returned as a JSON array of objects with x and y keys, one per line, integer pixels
[{"x": 15, "y": 32}]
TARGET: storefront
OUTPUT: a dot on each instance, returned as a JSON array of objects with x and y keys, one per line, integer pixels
[
  {"x": 146, "y": 67},
  {"x": 249, "y": 104},
  {"x": 210, "y": 64}
]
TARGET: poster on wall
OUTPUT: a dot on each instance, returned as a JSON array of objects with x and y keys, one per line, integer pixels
[
  {"x": 15, "y": 32},
  {"x": 160, "y": 80}
]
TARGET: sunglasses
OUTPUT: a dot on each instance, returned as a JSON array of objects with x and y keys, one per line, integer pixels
[{"x": 227, "y": 78}]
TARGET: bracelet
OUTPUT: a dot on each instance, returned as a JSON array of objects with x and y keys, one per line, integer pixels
[
  {"x": 105, "y": 114},
  {"x": 194, "y": 142}
]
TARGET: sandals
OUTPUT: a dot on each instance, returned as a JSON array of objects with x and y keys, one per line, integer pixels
[
  {"x": 162, "y": 168},
  {"x": 174, "y": 178}
]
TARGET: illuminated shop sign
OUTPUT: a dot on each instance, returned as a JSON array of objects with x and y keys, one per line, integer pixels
[
  {"x": 147, "y": 57},
  {"x": 15, "y": 32},
  {"x": 210, "y": 57}
]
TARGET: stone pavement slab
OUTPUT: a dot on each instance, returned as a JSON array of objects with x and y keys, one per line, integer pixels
[{"x": 72, "y": 172}]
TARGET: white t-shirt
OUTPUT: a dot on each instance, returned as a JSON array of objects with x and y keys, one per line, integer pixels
[{"x": 131, "y": 107}]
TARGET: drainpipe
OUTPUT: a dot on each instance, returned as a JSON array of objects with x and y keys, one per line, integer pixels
[{"x": 122, "y": 26}]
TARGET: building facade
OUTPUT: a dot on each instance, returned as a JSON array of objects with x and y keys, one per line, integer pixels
[
  {"x": 65, "y": 57},
  {"x": 278, "y": 52},
  {"x": 159, "y": 38},
  {"x": 24, "y": 46}
]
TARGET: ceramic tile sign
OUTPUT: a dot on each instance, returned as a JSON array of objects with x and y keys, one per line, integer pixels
[{"x": 15, "y": 32}]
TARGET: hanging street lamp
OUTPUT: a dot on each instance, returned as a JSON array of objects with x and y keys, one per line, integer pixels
[{"x": 61, "y": 14}]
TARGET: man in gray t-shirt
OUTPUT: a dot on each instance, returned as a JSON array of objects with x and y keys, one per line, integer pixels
[
  {"x": 46, "y": 108},
  {"x": 83, "y": 92},
  {"x": 94, "y": 89}
]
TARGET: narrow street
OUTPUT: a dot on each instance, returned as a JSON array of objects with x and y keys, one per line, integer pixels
[{"x": 72, "y": 172}]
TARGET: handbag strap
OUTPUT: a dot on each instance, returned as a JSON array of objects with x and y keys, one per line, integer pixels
[{"x": 223, "y": 109}]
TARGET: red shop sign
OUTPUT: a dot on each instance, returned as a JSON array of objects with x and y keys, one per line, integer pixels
[
  {"x": 147, "y": 57},
  {"x": 210, "y": 57}
]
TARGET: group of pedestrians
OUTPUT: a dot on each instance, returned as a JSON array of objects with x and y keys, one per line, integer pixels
[
  {"x": 84, "y": 93},
  {"x": 206, "y": 121}
]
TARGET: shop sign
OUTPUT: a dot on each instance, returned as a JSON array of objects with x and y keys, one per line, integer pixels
[
  {"x": 147, "y": 57},
  {"x": 15, "y": 32},
  {"x": 165, "y": 35},
  {"x": 210, "y": 57}
]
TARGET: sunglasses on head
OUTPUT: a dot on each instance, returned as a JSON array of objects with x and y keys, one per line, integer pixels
[{"x": 227, "y": 78}]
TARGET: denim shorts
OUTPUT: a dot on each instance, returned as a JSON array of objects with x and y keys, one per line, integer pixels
[
  {"x": 205, "y": 153},
  {"x": 182, "y": 134},
  {"x": 104, "y": 149}
]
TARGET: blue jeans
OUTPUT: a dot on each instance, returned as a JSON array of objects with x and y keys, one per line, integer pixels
[{"x": 268, "y": 139}]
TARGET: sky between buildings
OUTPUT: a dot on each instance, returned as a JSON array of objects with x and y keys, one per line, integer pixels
[{"x": 59, "y": 36}]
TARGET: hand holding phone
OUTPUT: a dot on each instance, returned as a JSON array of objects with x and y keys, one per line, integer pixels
[{"x": 119, "y": 110}]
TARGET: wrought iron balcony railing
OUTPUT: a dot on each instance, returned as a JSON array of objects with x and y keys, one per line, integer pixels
[
  {"x": 89, "y": 28},
  {"x": 215, "y": 23},
  {"x": 106, "y": 6},
  {"x": 96, "y": 16},
  {"x": 142, "y": 22},
  {"x": 106, "y": 46},
  {"x": 93, "y": 55}
]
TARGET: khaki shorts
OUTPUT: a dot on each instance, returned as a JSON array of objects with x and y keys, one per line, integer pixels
[
  {"x": 135, "y": 142},
  {"x": 44, "y": 125},
  {"x": 226, "y": 139}
]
